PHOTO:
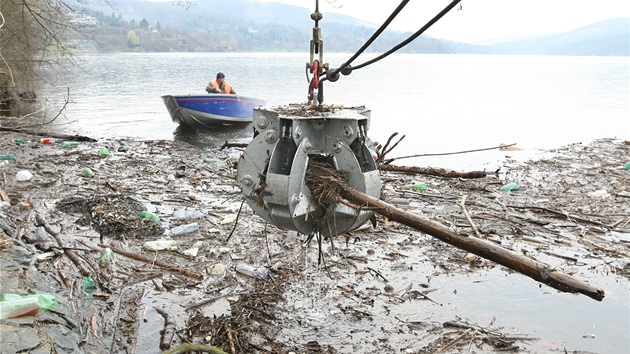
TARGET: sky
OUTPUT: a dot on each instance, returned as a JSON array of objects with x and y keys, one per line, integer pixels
[{"x": 477, "y": 20}]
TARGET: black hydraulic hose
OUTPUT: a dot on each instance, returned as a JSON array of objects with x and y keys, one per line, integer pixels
[
  {"x": 374, "y": 36},
  {"x": 410, "y": 39}
]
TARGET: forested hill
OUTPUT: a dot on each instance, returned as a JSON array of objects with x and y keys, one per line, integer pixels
[
  {"x": 611, "y": 37},
  {"x": 245, "y": 25}
]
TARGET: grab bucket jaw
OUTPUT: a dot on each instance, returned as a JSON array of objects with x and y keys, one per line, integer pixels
[{"x": 272, "y": 169}]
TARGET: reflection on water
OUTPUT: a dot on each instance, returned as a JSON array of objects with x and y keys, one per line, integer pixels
[{"x": 215, "y": 138}]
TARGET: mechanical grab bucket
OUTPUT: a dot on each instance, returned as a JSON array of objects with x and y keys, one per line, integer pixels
[{"x": 272, "y": 169}]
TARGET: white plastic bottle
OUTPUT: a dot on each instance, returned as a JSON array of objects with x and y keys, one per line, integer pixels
[
  {"x": 256, "y": 272},
  {"x": 186, "y": 214},
  {"x": 18, "y": 307},
  {"x": 184, "y": 229}
]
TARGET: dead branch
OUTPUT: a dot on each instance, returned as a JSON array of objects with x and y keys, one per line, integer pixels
[
  {"x": 156, "y": 262},
  {"x": 559, "y": 213},
  {"x": 67, "y": 251},
  {"x": 462, "y": 205},
  {"x": 432, "y": 171},
  {"x": 386, "y": 150},
  {"x": 227, "y": 144},
  {"x": 536, "y": 270},
  {"x": 500, "y": 147},
  {"x": 169, "y": 329},
  {"x": 190, "y": 347}
]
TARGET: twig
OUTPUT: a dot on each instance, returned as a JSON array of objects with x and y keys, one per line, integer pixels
[
  {"x": 377, "y": 273},
  {"x": 68, "y": 252},
  {"x": 423, "y": 295},
  {"x": 566, "y": 215},
  {"x": 155, "y": 262},
  {"x": 453, "y": 342},
  {"x": 453, "y": 153},
  {"x": 462, "y": 205},
  {"x": 169, "y": 329},
  {"x": 190, "y": 347},
  {"x": 604, "y": 248},
  {"x": 385, "y": 151},
  {"x": 236, "y": 221}
]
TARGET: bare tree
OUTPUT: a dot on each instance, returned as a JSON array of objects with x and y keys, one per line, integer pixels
[{"x": 33, "y": 34}]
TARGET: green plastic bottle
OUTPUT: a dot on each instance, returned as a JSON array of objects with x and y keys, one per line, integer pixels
[
  {"x": 509, "y": 187},
  {"x": 7, "y": 157},
  {"x": 69, "y": 143},
  {"x": 149, "y": 215},
  {"x": 89, "y": 286},
  {"x": 627, "y": 167},
  {"x": 106, "y": 257},
  {"x": 420, "y": 186},
  {"x": 210, "y": 160},
  {"x": 104, "y": 152},
  {"x": 19, "y": 141},
  {"x": 87, "y": 172}
]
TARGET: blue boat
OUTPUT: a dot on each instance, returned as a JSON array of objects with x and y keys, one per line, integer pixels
[{"x": 211, "y": 110}]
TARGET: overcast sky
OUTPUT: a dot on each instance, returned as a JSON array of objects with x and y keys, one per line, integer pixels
[{"x": 477, "y": 20}]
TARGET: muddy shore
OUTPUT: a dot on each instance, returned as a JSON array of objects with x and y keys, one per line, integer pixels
[{"x": 378, "y": 290}]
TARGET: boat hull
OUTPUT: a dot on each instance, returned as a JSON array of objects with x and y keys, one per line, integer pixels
[{"x": 211, "y": 110}]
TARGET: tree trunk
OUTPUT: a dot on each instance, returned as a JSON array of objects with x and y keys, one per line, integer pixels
[{"x": 488, "y": 250}]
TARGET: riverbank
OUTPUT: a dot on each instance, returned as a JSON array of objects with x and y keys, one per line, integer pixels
[{"x": 386, "y": 288}]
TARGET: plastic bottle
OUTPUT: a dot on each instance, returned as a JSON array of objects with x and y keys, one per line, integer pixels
[
  {"x": 420, "y": 186},
  {"x": 7, "y": 157},
  {"x": 104, "y": 152},
  {"x": 69, "y": 143},
  {"x": 46, "y": 140},
  {"x": 260, "y": 273},
  {"x": 87, "y": 172},
  {"x": 627, "y": 166},
  {"x": 291, "y": 237},
  {"x": 23, "y": 176},
  {"x": 89, "y": 286},
  {"x": 184, "y": 229},
  {"x": 149, "y": 215},
  {"x": 159, "y": 245},
  {"x": 186, "y": 214},
  {"x": 509, "y": 187},
  {"x": 106, "y": 257},
  {"x": 19, "y": 141},
  {"x": 209, "y": 160},
  {"x": 46, "y": 301},
  {"x": 19, "y": 307}
]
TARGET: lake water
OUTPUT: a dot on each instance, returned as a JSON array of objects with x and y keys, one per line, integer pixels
[{"x": 442, "y": 103}]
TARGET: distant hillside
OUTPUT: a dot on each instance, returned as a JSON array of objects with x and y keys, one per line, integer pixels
[
  {"x": 606, "y": 38},
  {"x": 246, "y": 25}
]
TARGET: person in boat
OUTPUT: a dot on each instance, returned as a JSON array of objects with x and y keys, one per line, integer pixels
[{"x": 220, "y": 85}]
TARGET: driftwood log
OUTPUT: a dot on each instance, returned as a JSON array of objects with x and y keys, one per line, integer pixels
[
  {"x": 432, "y": 171},
  {"x": 321, "y": 174}
]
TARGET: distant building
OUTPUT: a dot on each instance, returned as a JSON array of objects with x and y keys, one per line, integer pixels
[{"x": 83, "y": 20}]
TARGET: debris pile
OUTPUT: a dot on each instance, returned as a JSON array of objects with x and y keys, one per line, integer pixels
[{"x": 381, "y": 288}]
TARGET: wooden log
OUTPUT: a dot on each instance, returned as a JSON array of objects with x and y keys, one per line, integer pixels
[
  {"x": 432, "y": 171},
  {"x": 536, "y": 270},
  {"x": 157, "y": 263}
]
